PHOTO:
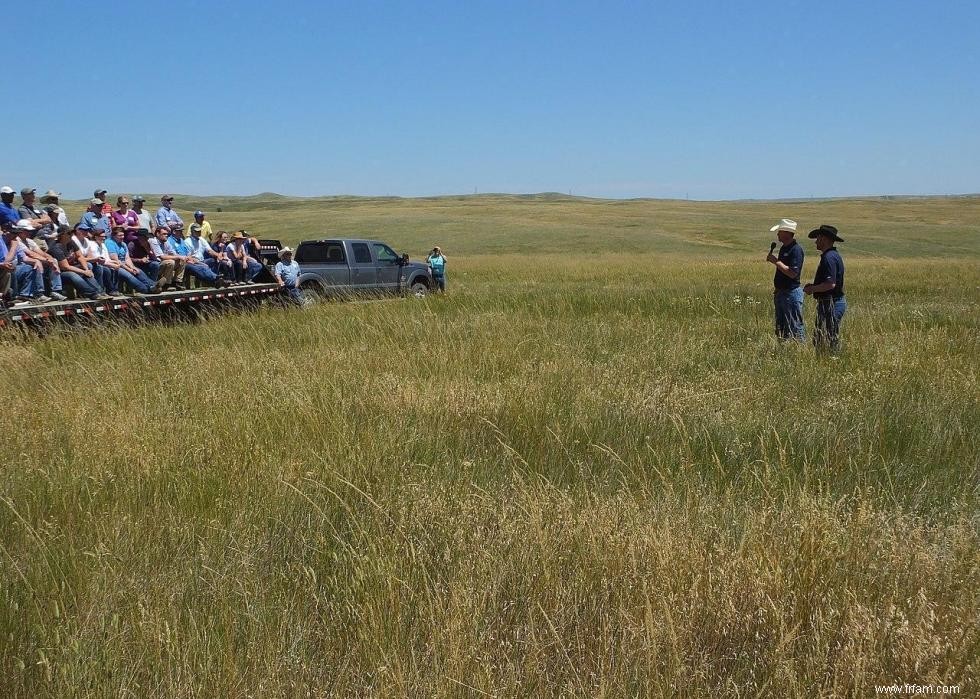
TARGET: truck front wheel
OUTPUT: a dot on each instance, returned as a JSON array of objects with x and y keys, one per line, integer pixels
[{"x": 419, "y": 290}]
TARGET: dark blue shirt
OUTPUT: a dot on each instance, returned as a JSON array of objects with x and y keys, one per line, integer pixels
[
  {"x": 790, "y": 255},
  {"x": 830, "y": 269}
]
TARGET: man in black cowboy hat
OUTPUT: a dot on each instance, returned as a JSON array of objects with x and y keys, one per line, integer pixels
[{"x": 828, "y": 289}]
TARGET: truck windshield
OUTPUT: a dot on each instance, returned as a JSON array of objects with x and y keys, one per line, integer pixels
[{"x": 384, "y": 253}]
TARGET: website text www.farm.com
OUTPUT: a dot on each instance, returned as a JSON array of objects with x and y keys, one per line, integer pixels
[{"x": 916, "y": 689}]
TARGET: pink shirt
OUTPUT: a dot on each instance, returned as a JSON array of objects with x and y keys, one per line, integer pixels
[{"x": 128, "y": 219}]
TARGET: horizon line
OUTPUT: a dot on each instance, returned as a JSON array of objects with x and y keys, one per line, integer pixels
[{"x": 554, "y": 195}]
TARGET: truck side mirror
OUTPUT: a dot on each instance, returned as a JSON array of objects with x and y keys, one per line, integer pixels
[{"x": 404, "y": 259}]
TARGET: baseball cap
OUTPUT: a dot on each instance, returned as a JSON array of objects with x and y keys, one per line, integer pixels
[
  {"x": 98, "y": 192},
  {"x": 24, "y": 225},
  {"x": 27, "y": 190},
  {"x": 94, "y": 202},
  {"x": 138, "y": 197},
  {"x": 6, "y": 190},
  {"x": 198, "y": 213}
]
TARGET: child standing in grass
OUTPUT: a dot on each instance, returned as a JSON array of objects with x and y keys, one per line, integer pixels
[{"x": 437, "y": 262}]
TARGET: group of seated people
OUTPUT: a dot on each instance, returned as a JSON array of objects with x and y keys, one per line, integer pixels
[{"x": 112, "y": 248}]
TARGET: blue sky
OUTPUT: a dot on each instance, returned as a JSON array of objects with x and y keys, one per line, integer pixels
[{"x": 707, "y": 100}]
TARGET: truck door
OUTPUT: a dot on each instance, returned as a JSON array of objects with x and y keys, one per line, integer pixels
[
  {"x": 389, "y": 269},
  {"x": 363, "y": 272},
  {"x": 325, "y": 259}
]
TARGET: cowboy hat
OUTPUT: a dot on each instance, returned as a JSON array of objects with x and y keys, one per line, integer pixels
[
  {"x": 286, "y": 250},
  {"x": 827, "y": 230},
  {"x": 785, "y": 224}
]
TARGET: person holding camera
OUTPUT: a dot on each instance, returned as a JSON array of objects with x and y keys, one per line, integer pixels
[{"x": 437, "y": 263}]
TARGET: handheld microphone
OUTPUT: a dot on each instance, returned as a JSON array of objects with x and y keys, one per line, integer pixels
[{"x": 772, "y": 246}]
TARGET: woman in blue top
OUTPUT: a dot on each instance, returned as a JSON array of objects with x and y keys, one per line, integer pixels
[{"x": 437, "y": 263}]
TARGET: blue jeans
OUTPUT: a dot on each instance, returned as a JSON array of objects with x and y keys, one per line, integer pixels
[
  {"x": 789, "y": 314},
  {"x": 151, "y": 269},
  {"x": 85, "y": 286},
  {"x": 293, "y": 292},
  {"x": 202, "y": 272},
  {"x": 140, "y": 282},
  {"x": 106, "y": 277},
  {"x": 826, "y": 334},
  {"x": 28, "y": 282},
  {"x": 52, "y": 276},
  {"x": 440, "y": 281},
  {"x": 220, "y": 269},
  {"x": 246, "y": 273},
  {"x": 252, "y": 269}
]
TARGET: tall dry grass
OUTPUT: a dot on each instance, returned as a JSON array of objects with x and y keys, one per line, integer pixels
[{"x": 587, "y": 477}]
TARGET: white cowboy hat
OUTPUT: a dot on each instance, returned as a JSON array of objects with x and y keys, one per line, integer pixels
[
  {"x": 785, "y": 224},
  {"x": 285, "y": 250}
]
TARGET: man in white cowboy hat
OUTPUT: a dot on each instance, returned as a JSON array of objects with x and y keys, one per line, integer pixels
[
  {"x": 287, "y": 273},
  {"x": 787, "y": 294}
]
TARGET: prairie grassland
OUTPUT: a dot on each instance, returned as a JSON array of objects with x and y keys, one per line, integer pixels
[{"x": 589, "y": 475}]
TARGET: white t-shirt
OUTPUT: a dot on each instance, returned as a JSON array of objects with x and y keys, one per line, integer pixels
[
  {"x": 102, "y": 251},
  {"x": 144, "y": 218},
  {"x": 89, "y": 247}
]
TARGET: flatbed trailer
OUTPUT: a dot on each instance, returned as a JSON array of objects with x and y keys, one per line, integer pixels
[{"x": 144, "y": 305}]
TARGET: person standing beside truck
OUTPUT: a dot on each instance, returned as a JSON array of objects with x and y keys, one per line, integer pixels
[
  {"x": 437, "y": 263},
  {"x": 287, "y": 273}
]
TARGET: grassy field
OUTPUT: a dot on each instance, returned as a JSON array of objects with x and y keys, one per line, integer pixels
[{"x": 588, "y": 470}]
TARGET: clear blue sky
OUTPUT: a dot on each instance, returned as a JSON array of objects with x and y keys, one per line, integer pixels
[{"x": 712, "y": 100}]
